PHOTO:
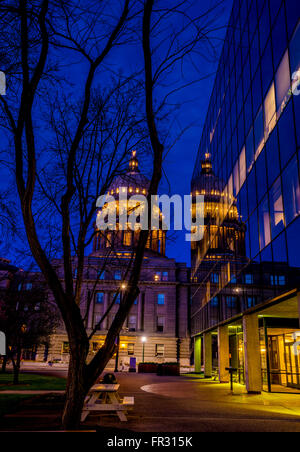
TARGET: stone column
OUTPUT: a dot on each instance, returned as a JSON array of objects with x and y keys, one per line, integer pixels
[
  {"x": 91, "y": 314},
  {"x": 140, "y": 307},
  {"x": 105, "y": 306},
  {"x": 252, "y": 354},
  {"x": 207, "y": 355},
  {"x": 197, "y": 354},
  {"x": 223, "y": 354}
]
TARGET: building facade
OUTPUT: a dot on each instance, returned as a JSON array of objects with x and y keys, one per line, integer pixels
[
  {"x": 157, "y": 328},
  {"x": 246, "y": 305}
]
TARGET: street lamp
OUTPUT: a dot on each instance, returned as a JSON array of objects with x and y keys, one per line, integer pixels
[
  {"x": 123, "y": 287},
  {"x": 144, "y": 340}
]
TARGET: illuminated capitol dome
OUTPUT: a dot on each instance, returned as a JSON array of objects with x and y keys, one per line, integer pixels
[
  {"x": 224, "y": 232},
  {"x": 123, "y": 239}
]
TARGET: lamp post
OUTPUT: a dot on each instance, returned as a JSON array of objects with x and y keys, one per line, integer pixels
[
  {"x": 144, "y": 340},
  {"x": 122, "y": 289}
]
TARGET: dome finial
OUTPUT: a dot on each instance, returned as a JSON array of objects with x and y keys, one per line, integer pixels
[
  {"x": 206, "y": 163},
  {"x": 133, "y": 162}
]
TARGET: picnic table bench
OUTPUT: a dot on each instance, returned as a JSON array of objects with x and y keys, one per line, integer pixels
[{"x": 105, "y": 398}]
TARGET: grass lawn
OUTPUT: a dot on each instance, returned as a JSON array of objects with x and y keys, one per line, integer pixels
[
  {"x": 32, "y": 382},
  {"x": 9, "y": 403},
  {"x": 193, "y": 375}
]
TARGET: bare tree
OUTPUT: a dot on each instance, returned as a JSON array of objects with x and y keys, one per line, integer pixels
[
  {"x": 27, "y": 318},
  {"x": 67, "y": 151}
]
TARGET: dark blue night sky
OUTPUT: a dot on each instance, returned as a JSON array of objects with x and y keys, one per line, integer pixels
[{"x": 179, "y": 163}]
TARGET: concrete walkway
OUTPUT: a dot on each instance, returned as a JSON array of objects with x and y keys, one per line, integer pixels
[
  {"x": 183, "y": 404},
  {"x": 173, "y": 404}
]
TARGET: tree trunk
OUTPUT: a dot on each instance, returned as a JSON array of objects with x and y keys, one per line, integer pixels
[
  {"x": 16, "y": 367},
  {"x": 4, "y": 363},
  {"x": 75, "y": 393}
]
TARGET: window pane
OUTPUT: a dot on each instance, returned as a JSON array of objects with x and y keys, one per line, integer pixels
[
  {"x": 279, "y": 37},
  {"x": 256, "y": 92},
  {"x": 261, "y": 175},
  {"x": 270, "y": 111},
  {"x": 276, "y": 209},
  {"x": 160, "y": 324},
  {"x": 279, "y": 249},
  {"x": 251, "y": 183},
  {"x": 236, "y": 178},
  {"x": 250, "y": 151},
  {"x": 254, "y": 241},
  {"x": 283, "y": 81},
  {"x": 267, "y": 64},
  {"x": 287, "y": 138},
  {"x": 161, "y": 299},
  {"x": 295, "y": 51},
  {"x": 99, "y": 297},
  {"x": 291, "y": 191},
  {"x": 264, "y": 223},
  {"x": 273, "y": 166},
  {"x": 294, "y": 243},
  {"x": 259, "y": 133},
  {"x": 132, "y": 323},
  {"x": 242, "y": 167},
  {"x": 117, "y": 275}
]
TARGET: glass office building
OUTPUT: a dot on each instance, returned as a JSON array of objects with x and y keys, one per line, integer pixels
[{"x": 246, "y": 296}]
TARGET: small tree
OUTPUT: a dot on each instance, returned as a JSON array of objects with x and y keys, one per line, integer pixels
[{"x": 28, "y": 319}]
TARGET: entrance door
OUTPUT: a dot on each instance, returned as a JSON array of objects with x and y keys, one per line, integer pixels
[{"x": 292, "y": 356}]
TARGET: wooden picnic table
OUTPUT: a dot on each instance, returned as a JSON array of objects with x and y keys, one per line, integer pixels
[{"x": 105, "y": 398}]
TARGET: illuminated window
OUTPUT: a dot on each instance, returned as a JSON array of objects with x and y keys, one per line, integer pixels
[
  {"x": 160, "y": 324},
  {"x": 65, "y": 347},
  {"x": 276, "y": 209},
  {"x": 283, "y": 82},
  {"x": 130, "y": 349},
  {"x": 291, "y": 191},
  {"x": 161, "y": 299},
  {"x": 127, "y": 238},
  {"x": 236, "y": 179},
  {"x": 99, "y": 297},
  {"x": 242, "y": 167},
  {"x": 108, "y": 240},
  {"x": 270, "y": 111},
  {"x": 157, "y": 276},
  {"x": 165, "y": 276},
  {"x": 264, "y": 224},
  {"x": 159, "y": 350}
]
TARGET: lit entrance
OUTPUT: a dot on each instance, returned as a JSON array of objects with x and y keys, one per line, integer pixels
[{"x": 280, "y": 354}]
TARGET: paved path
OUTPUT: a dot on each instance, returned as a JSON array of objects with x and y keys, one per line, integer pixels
[
  {"x": 176, "y": 404},
  {"x": 179, "y": 404}
]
